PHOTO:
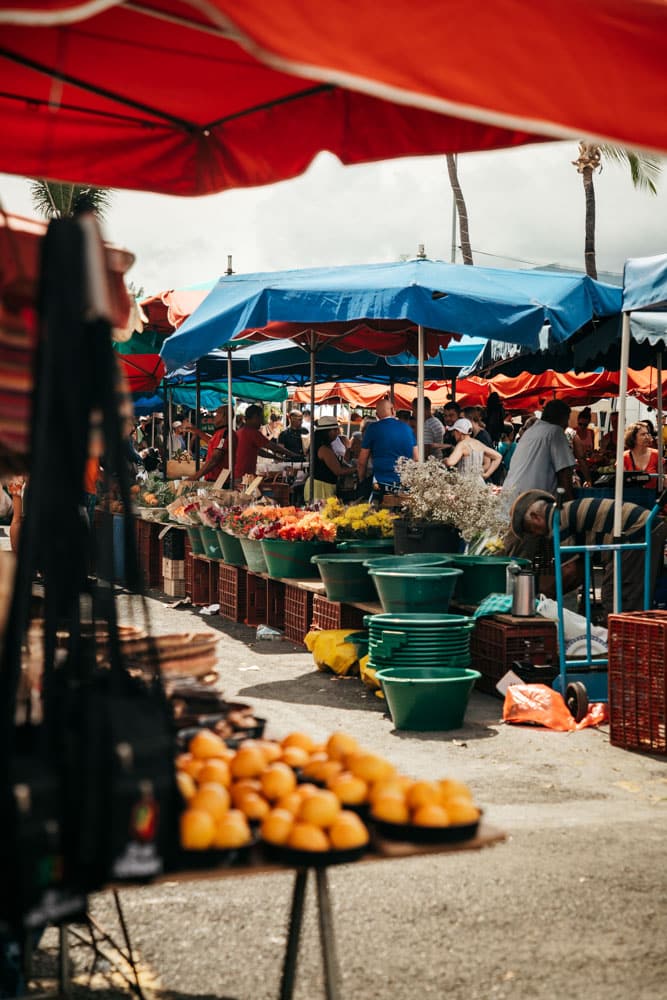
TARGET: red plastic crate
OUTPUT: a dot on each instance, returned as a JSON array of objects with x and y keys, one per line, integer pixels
[
  {"x": 638, "y": 680},
  {"x": 497, "y": 642},
  {"x": 232, "y": 592},
  {"x": 275, "y": 603},
  {"x": 214, "y": 581},
  {"x": 333, "y": 614},
  {"x": 148, "y": 551},
  {"x": 200, "y": 590},
  {"x": 189, "y": 568},
  {"x": 255, "y": 599},
  {"x": 298, "y": 612}
]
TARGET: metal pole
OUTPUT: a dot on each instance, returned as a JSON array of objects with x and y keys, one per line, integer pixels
[
  {"x": 198, "y": 414},
  {"x": 230, "y": 420},
  {"x": 170, "y": 439},
  {"x": 420, "y": 392},
  {"x": 661, "y": 476},
  {"x": 453, "y": 392},
  {"x": 311, "y": 473},
  {"x": 618, "y": 488}
]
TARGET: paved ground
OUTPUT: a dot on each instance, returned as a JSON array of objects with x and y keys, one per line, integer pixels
[{"x": 573, "y": 905}]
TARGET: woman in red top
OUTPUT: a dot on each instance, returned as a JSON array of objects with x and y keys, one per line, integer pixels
[{"x": 639, "y": 456}]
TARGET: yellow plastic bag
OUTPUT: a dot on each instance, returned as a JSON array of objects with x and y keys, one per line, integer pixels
[
  {"x": 331, "y": 652},
  {"x": 368, "y": 676}
]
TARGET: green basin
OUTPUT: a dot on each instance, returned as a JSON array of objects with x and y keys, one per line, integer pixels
[
  {"x": 372, "y": 546},
  {"x": 209, "y": 538},
  {"x": 196, "y": 544},
  {"x": 292, "y": 560},
  {"x": 254, "y": 554},
  {"x": 415, "y": 588},
  {"x": 345, "y": 576},
  {"x": 482, "y": 575},
  {"x": 232, "y": 550},
  {"x": 409, "y": 560},
  {"x": 432, "y": 699}
]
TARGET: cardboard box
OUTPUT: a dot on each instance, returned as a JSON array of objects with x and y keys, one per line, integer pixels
[
  {"x": 173, "y": 569},
  {"x": 174, "y": 588}
]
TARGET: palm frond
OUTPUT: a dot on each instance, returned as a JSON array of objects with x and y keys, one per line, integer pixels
[
  {"x": 644, "y": 168},
  {"x": 54, "y": 200}
]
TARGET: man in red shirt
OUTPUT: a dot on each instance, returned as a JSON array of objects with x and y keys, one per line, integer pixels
[
  {"x": 251, "y": 443},
  {"x": 217, "y": 457}
]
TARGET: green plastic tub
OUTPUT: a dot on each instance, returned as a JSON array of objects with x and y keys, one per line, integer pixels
[
  {"x": 427, "y": 699},
  {"x": 209, "y": 538},
  {"x": 196, "y": 543},
  {"x": 292, "y": 560},
  {"x": 482, "y": 575},
  {"x": 409, "y": 560},
  {"x": 345, "y": 576},
  {"x": 254, "y": 554},
  {"x": 232, "y": 551},
  {"x": 371, "y": 546},
  {"x": 415, "y": 588}
]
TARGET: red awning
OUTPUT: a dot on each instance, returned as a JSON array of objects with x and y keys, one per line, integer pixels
[
  {"x": 186, "y": 98},
  {"x": 143, "y": 371}
]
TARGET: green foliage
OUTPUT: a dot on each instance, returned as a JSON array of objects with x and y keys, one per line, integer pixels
[
  {"x": 54, "y": 200},
  {"x": 644, "y": 168}
]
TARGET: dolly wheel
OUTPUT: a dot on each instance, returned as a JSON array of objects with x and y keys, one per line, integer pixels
[{"x": 576, "y": 699}]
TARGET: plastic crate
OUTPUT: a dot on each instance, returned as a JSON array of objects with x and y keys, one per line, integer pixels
[
  {"x": 200, "y": 587},
  {"x": 173, "y": 544},
  {"x": 232, "y": 588},
  {"x": 333, "y": 614},
  {"x": 498, "y": 642},
  {"x": 298, "y": 612},
  {"x": 189, "y": 569},
  {"x": 255, "y": 599},
  {"x": 213, "y": 581},
  {"x": 638, "y": 680},
  {"x": 148, "y": 552},
  {"x": 275, "y": 603}
]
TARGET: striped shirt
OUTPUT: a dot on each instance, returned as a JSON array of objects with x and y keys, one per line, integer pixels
[{"x": 591, "y": 522}]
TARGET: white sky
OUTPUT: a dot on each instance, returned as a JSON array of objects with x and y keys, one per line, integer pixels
[{"x": 526, "y": 204}]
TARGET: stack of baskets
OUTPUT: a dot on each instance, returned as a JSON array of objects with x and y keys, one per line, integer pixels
[{"x": 419, "y": 640}]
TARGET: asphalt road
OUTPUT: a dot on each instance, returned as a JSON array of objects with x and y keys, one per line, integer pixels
[{"x": 572, "y": 905}]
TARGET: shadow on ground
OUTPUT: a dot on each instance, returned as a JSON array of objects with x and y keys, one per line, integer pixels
[{"x": 317, "y": 688}]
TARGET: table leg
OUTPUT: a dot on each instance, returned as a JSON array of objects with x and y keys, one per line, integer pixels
[
  {"x": 294, "y": 932},
  {"x": 64, "y": 979},
  {"x": 327, "y": 939}
]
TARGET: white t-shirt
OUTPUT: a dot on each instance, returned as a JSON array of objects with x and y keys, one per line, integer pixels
[
  {"x": 338, "y": 448},
  {"x": 541, "y": 453}
]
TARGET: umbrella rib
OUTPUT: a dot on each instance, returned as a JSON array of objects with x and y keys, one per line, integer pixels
[
  {"x": 92, "y": 89},
  {"x": 77, "y": 109},
  {"x": 268, "y": 105}
]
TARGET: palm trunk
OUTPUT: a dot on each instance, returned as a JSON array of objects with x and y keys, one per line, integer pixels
[
  {"x": 461, "y": 209},
  {"x": 589, "y": 244}
]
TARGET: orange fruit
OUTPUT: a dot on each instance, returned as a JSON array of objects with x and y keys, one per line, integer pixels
[
  {"x": 277, "y": 826},
  {"x": 300, "y": 740},
  {"x": 369, "y": 767},
  {"x": 295, "y": 756},
  {"x": 450, "y": 789},
  {"x": 349, "y": 790},
  {"x": 197, "y": 830},
  {"x": 186, "y": 785},
  {"x": 347, "y": 831},
  {"x": 213, "y": 799},
  {"x": 242, "y": 787},
  {"x": 462, "y": 811},
  {"x": 320, "y": 809},
  {"x": 311, "y": 770},
  {"x": 231, "y": 831},
  {"x": 391, "y": 809},
  {"x": 192, "y": 766},
  {"x": 328, "y": 770},
  {"x": 306, "y": 837},
  {"x": 430, "y": 814},
  {"x": 248, "y": 762},
  {"x": 423, "y": 793},
  {"x": 216, "y": 770},
  {"x": 182, "y": 759},
  {"x": 207, "y": 744},
  {"x": 392, "y": 786},
  {"x": 306, "y": 790},
  {"x": 254, "y": 806},
  {"x": 291, "y": 803},
  {"x": 277, "y": 780},
  {"x": 271, "y": 750},
  {"x": 340, "y": 744}
]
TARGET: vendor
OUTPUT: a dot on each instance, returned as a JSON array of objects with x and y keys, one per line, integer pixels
[
  {"x": 251, "y": 443},
  {"x": 217, "y": 447},
  {"x": 591, "y": 522},
  {"x": 639, "y": 456},
  {"x": 327, "y": 468}
]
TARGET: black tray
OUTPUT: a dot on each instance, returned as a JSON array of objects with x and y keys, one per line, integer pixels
[
  {"x": 426, "y": 834},
  {"x": 217, "y": 859},
  {"x": 311, "y": 859}
]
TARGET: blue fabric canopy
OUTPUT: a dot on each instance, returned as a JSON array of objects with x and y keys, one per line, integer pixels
[
  {"x": 645, "y": 283},
  {"x": 490, "y": 303}
]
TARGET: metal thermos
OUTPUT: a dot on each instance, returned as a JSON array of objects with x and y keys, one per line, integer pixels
[{"x": 523, "y": 594}]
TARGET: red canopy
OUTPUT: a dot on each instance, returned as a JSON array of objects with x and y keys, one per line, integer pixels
[
  {"x": 167, "y": 310},
  {"x": 384, "y": 337},
  {"x": 143, "y": 371},
  {"x": 188, "y": 98}
]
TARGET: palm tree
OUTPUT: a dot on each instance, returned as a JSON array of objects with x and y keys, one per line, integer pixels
[
  {"x": 61, "y": 201},
  {"x": 460, "y": 208},
  {"x": 644, "y": 172}
]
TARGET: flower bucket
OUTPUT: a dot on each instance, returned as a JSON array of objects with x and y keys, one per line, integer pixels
[
  {"x": 196, "y": 543},
  {"x": 427, "y": 699},
  {"x": 232, "y": 551},
  {"x": 415, "y": 589},
  {"x": 210, "y": 542},
  {"x": 291, "y": 560},
  {"x": 482, "y": 575},
  {"x": 371, "y": 546},
  {"x": 345, "y": 576},
  {"x": 425, "y": 536},
  {"x": 254, "y": 554},
  {"x": 409, "y": 560}
]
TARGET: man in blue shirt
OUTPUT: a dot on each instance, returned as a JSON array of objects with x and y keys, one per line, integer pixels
[{"x": 387, "y": 440}]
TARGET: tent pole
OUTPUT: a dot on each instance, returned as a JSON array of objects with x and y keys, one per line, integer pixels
[
  {"x": 311, "y": 471},
  {"x": 230, "y": 421},
  {"x": 453, "y": 392},
  {"x": 170, "y": 439},
  {"x": 661, "y": 476},
  {"x": 420, "y": 392},
  {"x": 392, "y": 391},
  {"x": 618, "y": 489},
  {"x": 197, "y": 415}
]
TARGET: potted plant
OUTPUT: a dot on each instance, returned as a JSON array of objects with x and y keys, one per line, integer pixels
[{"x": 443, "y": 510}]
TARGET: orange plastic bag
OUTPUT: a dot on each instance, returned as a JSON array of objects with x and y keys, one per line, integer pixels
[{"x": 542, "y": 706}]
